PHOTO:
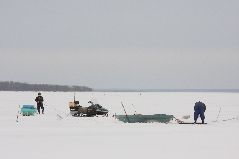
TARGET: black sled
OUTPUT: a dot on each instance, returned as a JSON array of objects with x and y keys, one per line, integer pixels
[{"x": 191, "y": 123}]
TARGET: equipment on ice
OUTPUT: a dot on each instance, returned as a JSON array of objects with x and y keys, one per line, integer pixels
[
  {"x": 92, "y": 110},
  {"x": 28, "y": 110},
  {"x": 139, "y": 118}
]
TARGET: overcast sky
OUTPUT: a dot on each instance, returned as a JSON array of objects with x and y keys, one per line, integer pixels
[{"x": 133, "y": 44}]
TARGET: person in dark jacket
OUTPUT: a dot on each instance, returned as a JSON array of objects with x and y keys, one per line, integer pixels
[
  {"x": 199, "y": 109},
  {"x": 39, "y": 100}
]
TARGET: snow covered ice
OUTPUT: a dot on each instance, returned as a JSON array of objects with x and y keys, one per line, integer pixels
[{"x": 50, "y": 136}]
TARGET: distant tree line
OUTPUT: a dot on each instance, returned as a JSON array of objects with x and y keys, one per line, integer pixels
[{"x": 18, "y": 86}]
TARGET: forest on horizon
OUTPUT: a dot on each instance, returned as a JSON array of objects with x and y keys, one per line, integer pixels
[{"x": 20, "y": 86}]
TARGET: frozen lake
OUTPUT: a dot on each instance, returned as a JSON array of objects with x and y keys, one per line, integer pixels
[{"x": 46, "y": 136}]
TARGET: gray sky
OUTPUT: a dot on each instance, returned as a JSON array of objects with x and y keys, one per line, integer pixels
[{"x": 142, "y": 44}]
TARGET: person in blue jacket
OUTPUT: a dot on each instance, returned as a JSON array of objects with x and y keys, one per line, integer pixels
[{"x": 199, "y": 109}]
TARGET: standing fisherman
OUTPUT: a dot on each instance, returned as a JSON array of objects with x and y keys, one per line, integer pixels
[
  {"x": 39, "y": 100},
  {"x": 199, "y": 109}
]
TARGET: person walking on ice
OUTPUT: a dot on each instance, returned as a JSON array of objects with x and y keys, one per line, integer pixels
[
  {"x": 199, "y": 109},
  {"x": 39, "y": 99}
]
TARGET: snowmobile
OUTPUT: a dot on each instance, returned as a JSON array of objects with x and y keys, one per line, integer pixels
[{"x": 93, "y": 110}]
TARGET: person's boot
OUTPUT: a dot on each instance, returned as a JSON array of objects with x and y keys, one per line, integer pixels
[{"x": 202, "y": 121}]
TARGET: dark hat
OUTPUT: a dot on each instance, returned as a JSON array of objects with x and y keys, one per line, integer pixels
[{"x": 39, "y": 93}]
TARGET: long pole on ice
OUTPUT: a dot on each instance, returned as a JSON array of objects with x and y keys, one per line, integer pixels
[
  {"x": 135, "y": 113},
  {"x": 125, "y": 112},
  {"x": 218, "y": 114},
  {"x": 18, "y": 112}
]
